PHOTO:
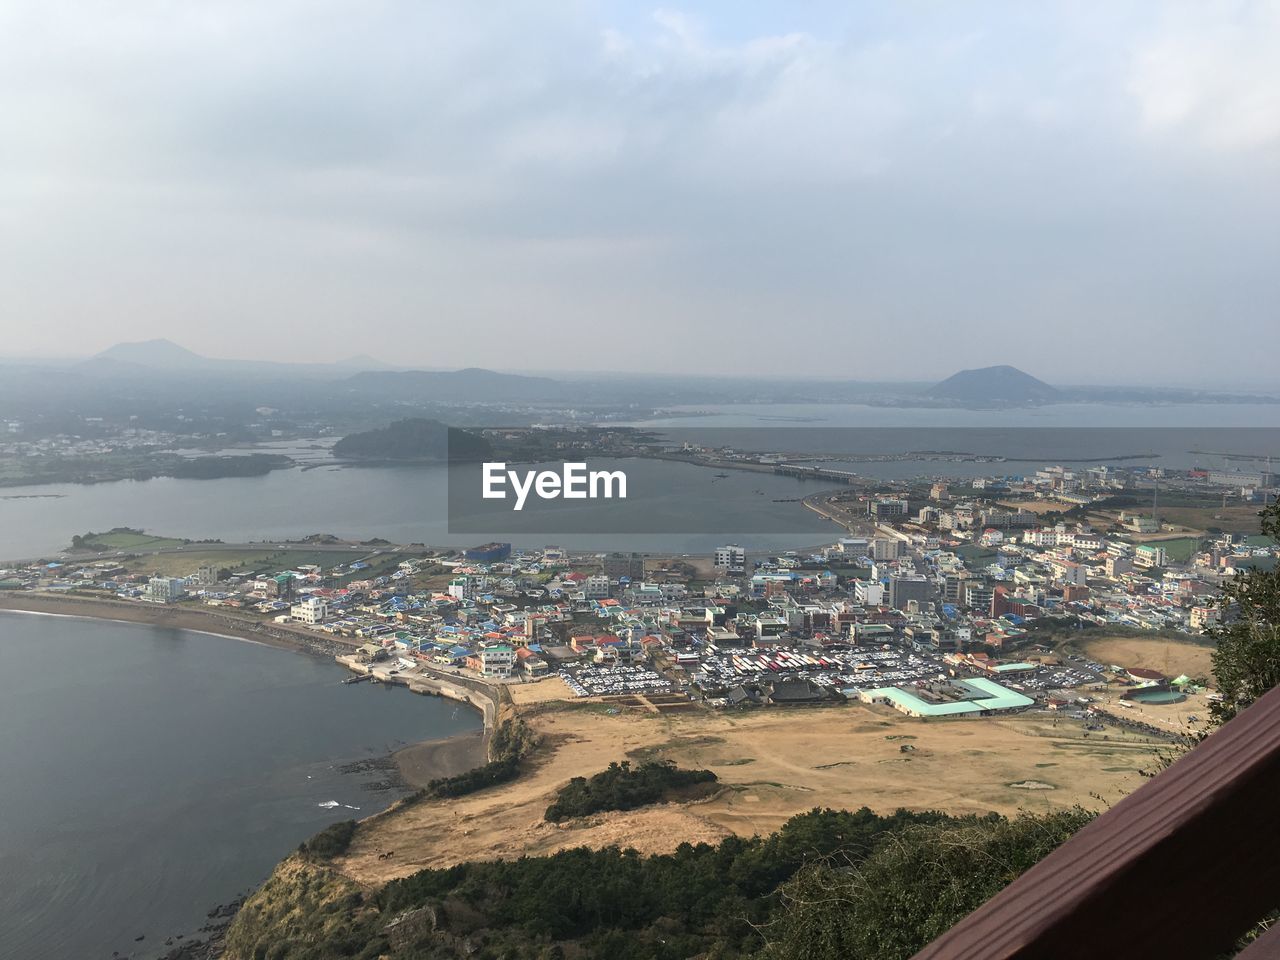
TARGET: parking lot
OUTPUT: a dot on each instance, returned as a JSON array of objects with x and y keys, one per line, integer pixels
[
  {"x": 602, "y": 681},
  {"x": 864, "y": 668}
]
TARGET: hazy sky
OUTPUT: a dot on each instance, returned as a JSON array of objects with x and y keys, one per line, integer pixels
[{"x": 1090, "y": 191}]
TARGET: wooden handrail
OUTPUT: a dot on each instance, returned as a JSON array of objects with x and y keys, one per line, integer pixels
[{"x": 1179, "y": 868}]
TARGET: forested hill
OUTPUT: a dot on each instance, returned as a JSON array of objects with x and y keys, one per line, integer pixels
[
  {"x": 413, "y": 439},
  {"x": 798, "y": 893}
]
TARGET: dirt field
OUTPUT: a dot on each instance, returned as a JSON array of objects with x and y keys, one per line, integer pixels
[
  {"x": 1192, "y": 713},
  {"x": 1170, "y": 657},
  {"x": 773, "y": 764},
  {"x": 540, "y": 691}
]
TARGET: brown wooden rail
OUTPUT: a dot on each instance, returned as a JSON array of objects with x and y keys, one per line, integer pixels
[{"x": 1178, "y": 869}]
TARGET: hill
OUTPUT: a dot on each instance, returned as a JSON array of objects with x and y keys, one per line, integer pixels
[
  {"x": 149, "y": 358},
  {"x": 413, "y": 439},
  {"x": 1000, "y": 384},
  {"x": 151, "y": 353},
  {"x": 473, "y": 383}
]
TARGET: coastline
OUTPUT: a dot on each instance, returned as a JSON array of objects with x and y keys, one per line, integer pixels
[
  {"x": 417, "y": 763},
  {"x": 423, "y": 762},
  {"x": 177, "y": 618}
]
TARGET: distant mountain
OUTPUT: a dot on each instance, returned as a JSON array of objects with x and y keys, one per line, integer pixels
[
  {"x": 167, "y": 359},
  {"x": 363, "y": 361},
  {"x": 472, "y": 383},
  {"x": 1001, "y": 384},
  {"x": 152, "y": 353},
  {"x": 416, "y": 438}
]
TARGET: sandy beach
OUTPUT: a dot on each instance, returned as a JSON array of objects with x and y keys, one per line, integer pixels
[
  {"x": 219, "y": 623},
  {"x": 447, "y": 757}
]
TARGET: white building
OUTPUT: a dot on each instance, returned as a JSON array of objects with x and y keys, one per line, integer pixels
[
  {"x": 731, "y": 557},
  {"x": 497, "y": 660},
  {"x": 597, "y": 587},
  {"x": 869, "y": 593},
  {"x": 166, "y": 589},
  {"x": 1146, "y": 556},
  {"x": 312, "y": 610},
  {"x": 884, "y": 548}
]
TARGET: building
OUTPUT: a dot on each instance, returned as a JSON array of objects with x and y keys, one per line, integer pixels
[
  {"x": 869, "y": 593},
  {"x": 884, "y": 548},
  {"x": 166, "y": 589},
  {"x": 1118, "y": 566},
  {"x": 977, "y": 695},
  {"x": 488, "y": 553},
  {"x": 1148, "y": 556},
  {"x": 731, "y": 558},
  {"x": 531, "y": 663},
  {"x": 207, "y": 575},
  {"x": 888, "y": 508},
  {"x": 1204, "y": 617},
  {"x": 904, "y": 589},
  {"x": 978, "y": 595},
  {"x": 497, "y": 660},
  {"x": 1239, "y": 479},
  {"x": 311, "y": 611},
  {"x": 597, "y": 587},
  {"x": 618, "y": 565}
]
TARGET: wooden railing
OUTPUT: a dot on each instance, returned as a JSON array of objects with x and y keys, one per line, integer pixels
[{"x": 1180, "y": 868}]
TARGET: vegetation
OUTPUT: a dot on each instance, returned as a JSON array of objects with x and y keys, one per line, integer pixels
[
  {"x": 330, "y": 842},
  {"x": 740, "y": 898},
  {"x": 911, "y": 889},
  {"x": 103, "y": 468},
  {"x": 1246, "y": 663},
  {"x": 214, "y": 468},
  {"x": 416, "y": 438},
  {"x": 122, "y": 538},
  {"x": 623, "y": 787}
]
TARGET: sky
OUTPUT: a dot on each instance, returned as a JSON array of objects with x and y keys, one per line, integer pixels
[{"x": 1090, "y": 192}]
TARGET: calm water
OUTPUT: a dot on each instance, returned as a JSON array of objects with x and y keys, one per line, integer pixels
[
  {"x": 688, "y": 510},
  {"x": 147, "y": 774}
]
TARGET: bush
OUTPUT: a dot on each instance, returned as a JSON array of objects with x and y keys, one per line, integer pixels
[
  {"x": 623, "y": 787},
  {"x": 330, "y": 842}
]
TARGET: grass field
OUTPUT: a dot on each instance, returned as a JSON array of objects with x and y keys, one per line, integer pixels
[
  {"x": 1179, "y": 549},
  {"x": 128, "y": 540},
  {"x": 772, "y": 764}
]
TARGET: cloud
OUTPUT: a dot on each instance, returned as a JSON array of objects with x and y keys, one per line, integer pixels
[
  {"x": 874, "y": 175},
  {"x": 1211, "y": 73}
]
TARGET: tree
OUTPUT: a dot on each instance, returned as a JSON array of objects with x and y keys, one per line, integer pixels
[
  {"x": 1246, "y": 663},
  {"x": 915, "y": 886}
]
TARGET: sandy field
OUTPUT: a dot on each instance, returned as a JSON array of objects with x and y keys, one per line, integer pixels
[
  {"x": 1178, "y": 718},
  {"x": 1170, "y": 657},
  {"x": 773, "y": 764},
  {"x": 539, "y": 691},
  {"x": 423, "y": 762}
]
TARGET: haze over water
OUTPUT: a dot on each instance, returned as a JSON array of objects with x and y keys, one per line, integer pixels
[{"x": 407, "y": 504}]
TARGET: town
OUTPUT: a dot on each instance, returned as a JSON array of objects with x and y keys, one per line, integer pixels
[{"x": 955, "y": 599}]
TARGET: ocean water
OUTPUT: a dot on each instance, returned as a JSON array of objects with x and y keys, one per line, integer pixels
[
  {"x": 687, "y": 509},
  {"x": 147, "y": 774}
]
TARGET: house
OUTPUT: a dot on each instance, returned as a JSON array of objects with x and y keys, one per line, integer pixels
[
  {"x": 310, "y": 611},
  {"x": 497, "y": 660}
]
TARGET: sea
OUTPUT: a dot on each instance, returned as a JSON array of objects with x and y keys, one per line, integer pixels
[
  {"x": 149, "y": 774},
  {"x": 688, "y": 509}
]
